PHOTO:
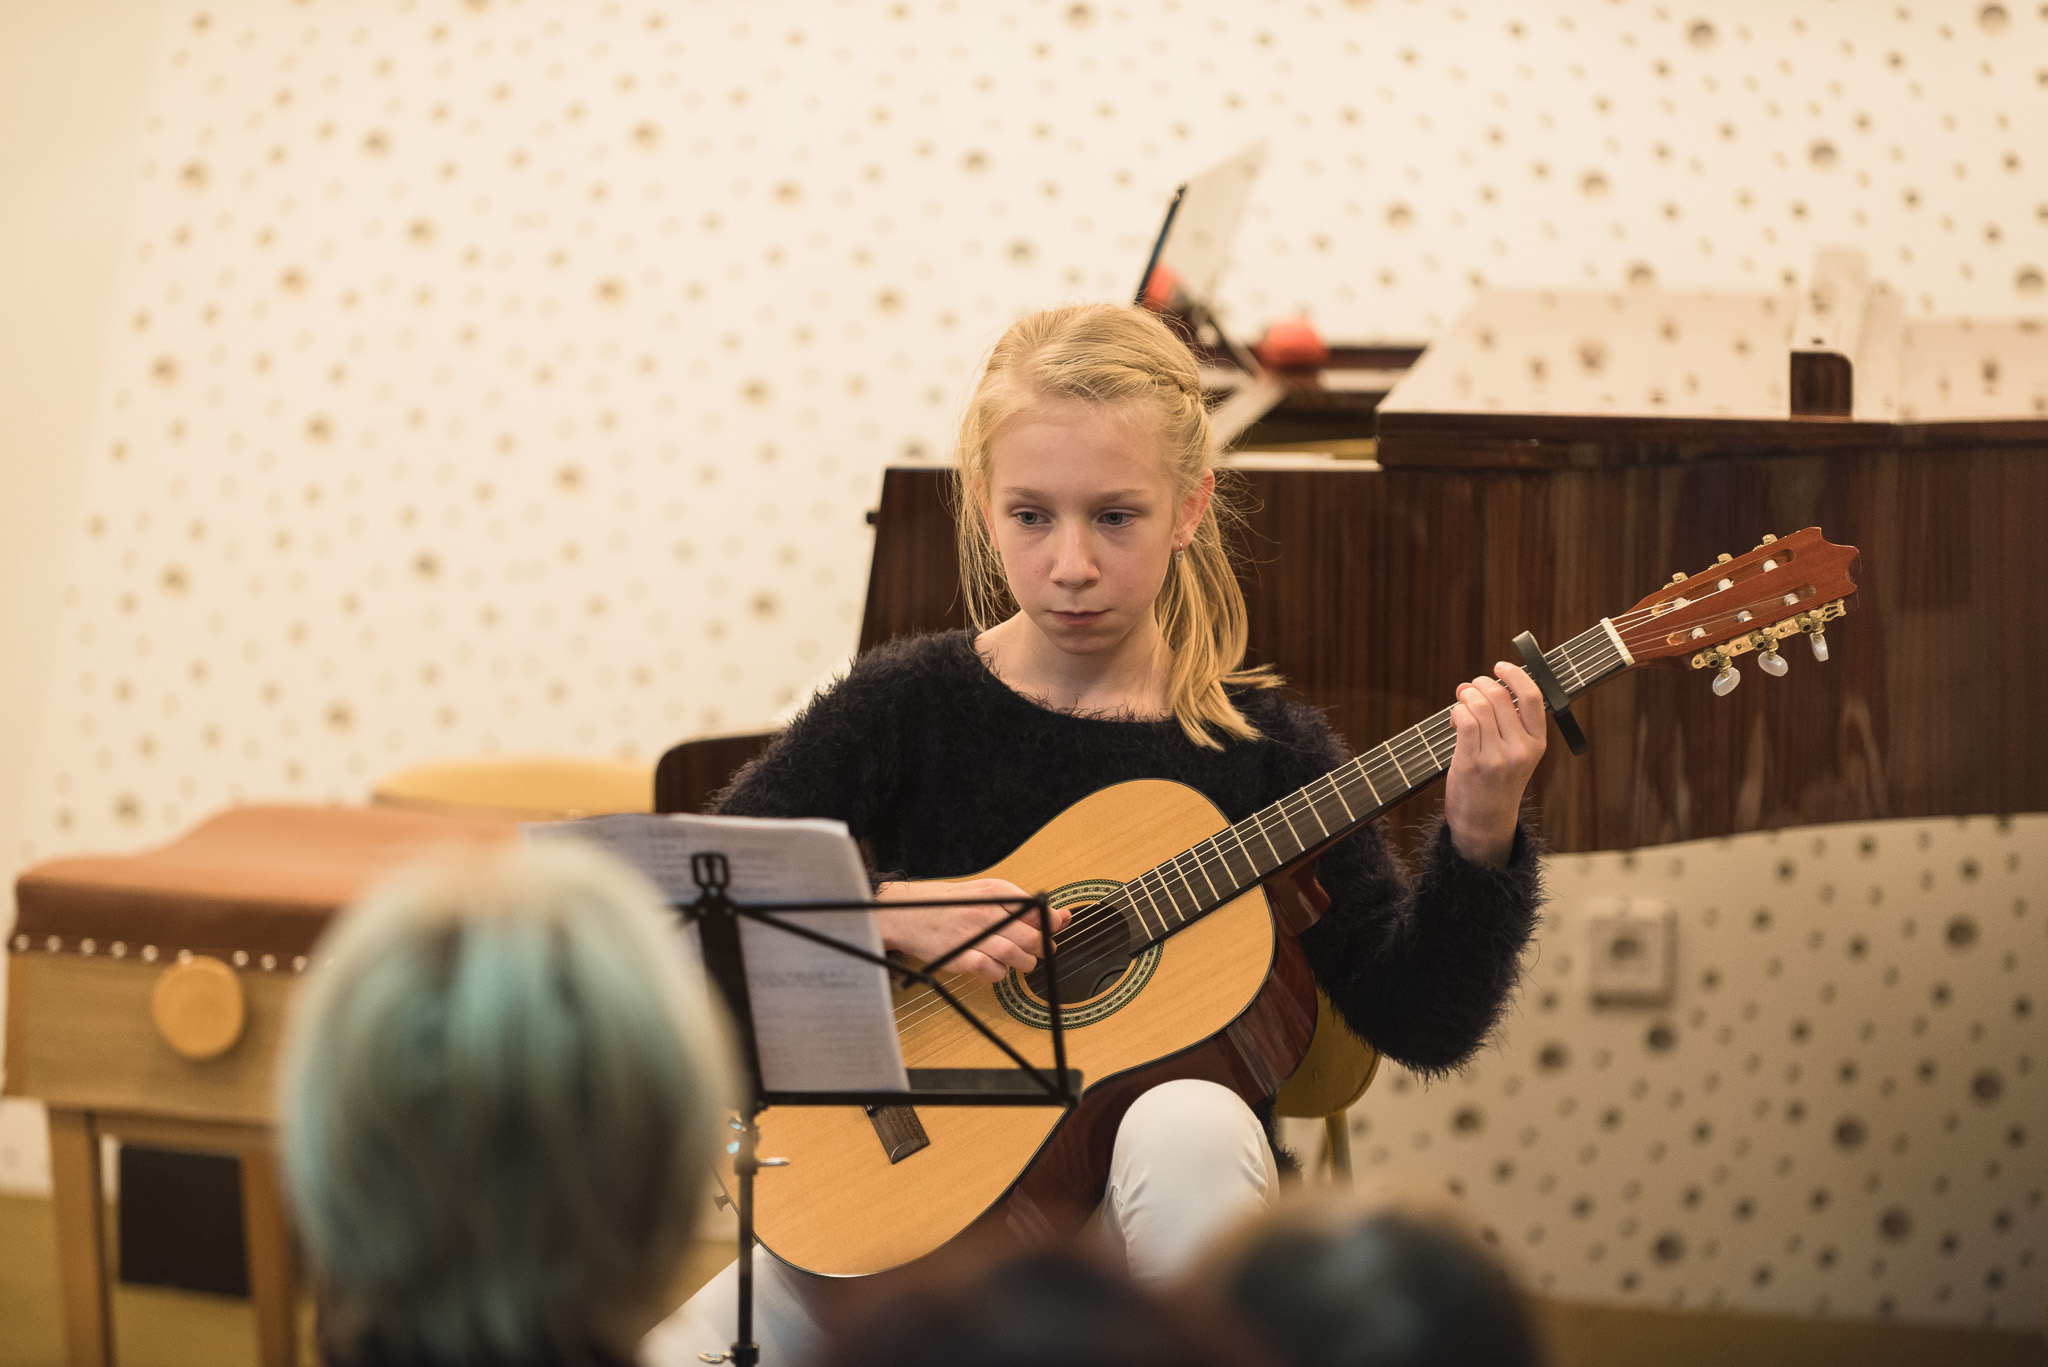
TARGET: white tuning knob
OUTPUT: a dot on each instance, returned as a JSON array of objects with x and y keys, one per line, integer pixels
[
  {"x": 1725, "y": 681},
  {"x": 1773, "y": 664},
  {"x": 1819, "y": 644}
]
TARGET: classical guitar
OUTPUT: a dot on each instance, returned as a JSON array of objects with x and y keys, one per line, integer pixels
[{"x": 1173, "y": 965}]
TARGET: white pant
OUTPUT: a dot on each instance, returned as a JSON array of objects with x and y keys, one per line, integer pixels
[{"x": 1190, "y": 1160}]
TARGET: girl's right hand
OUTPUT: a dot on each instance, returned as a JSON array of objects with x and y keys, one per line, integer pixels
[{"x": 924, "y": 933}]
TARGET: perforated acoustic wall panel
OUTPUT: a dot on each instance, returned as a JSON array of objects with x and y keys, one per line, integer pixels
[
  {"x": 1840, "y": 1111},
  {"x": 512, "y": 375}
]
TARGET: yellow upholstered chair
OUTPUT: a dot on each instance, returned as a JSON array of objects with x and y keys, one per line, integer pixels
[
  {"x": 531, "y": 788},
  {"x": 1331, "y": 1077}
]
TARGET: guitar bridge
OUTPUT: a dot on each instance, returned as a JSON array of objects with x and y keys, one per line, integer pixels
[{"x": 901, "y": 1132}]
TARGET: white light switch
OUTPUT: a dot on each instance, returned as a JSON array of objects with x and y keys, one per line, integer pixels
[{"x": 1631, "y": 951}]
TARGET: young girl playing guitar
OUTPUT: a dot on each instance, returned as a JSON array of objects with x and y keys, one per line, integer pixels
[{"x": 1108, "y": 644}]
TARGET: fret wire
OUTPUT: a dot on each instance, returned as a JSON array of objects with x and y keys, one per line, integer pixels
[
  {"x": 1561, "y": 660},
  {"x": 1446, "y": 726},
  {"x": 1396, "y": 760},
  {"x": 1395, "y": 786},
  {"x": 1299, "y": 843},
  {"x": 1301, "y": 795},
  {"x": 1565, "y": 656},
  {"x": 1236, "y": 880},
  {"x": 1139, "y": 884},
  {"x": 1194, "y": 898},
  {"x": 1366, "y": 774},
  {"x": 1251, "y": 865},
  {"x": 1405, "y": 758},
  {"x": 1166, "y": 920},
  {"x": 1601, "y": 649},
  {"x": 1266, "y": 828},
  {"x": 1431, "y": 748},
  {"x": 1338, "y": 789},
  {"x": 1317, "y": 799},
  {"x": 1250, "y": 855},
  {"x": 1251, "y": 860},
  {"x": 1167, "y": 872},
  {"x": 1259, "y": 818},
  {"x": 1203, "y": 869},
  {"x": 1360, "y": 777}
]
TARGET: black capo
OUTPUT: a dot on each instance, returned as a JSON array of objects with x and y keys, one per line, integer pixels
[{"x": 1553, "y": 692}]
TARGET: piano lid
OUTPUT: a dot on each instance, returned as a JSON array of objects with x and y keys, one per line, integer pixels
[{"x": 1551, "y": 377}]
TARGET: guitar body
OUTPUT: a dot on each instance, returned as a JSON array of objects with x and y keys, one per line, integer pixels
[{"x": 1227, "y": 998}]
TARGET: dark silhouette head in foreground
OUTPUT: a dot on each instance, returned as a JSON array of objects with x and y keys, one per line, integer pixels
[
  {"x": 1038, "y": 1310},
  {"x": 1387, "y": 1288}
]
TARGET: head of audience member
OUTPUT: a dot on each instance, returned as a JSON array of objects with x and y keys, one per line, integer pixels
[
  {"x": 499, "y": 1097},
  {"x": 1036, "y": 1310},
  {"x": 1350, "y": 1284}
]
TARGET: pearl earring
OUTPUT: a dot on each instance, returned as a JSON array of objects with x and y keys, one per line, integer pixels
[{"x": 1180, "y": 553}]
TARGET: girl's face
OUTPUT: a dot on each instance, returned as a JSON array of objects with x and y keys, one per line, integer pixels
[{"x": 1082, "y": 508}]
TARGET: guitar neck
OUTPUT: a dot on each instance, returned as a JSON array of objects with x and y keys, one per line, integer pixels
[{"x": 1196, "y": 881}]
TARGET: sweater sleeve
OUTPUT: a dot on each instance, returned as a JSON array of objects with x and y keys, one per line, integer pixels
[
  {"x": 1421, "y": 966},
  {"x": 843, "y": 755}
]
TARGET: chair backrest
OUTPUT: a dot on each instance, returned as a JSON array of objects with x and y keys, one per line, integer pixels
[
  {"x": 694, "y": 772},
  {"x": 531, "y": 787},
  {"x": 1333, "y": 1074}
]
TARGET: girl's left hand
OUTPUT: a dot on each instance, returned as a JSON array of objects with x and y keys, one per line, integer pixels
[{"x": 1501, "y": 734}]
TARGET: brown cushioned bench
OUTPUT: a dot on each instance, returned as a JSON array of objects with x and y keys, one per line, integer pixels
[{"x": 146, "y": 1000}]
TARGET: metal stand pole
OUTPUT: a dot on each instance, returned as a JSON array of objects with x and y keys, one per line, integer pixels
[{"x": 746, "y": 1352}]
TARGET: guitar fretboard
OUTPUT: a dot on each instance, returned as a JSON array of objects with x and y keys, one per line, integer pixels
[{"x": 1239, "y": 857}]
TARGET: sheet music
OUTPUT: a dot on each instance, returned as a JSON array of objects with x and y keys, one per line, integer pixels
[{"x": 822, "y": 1021}]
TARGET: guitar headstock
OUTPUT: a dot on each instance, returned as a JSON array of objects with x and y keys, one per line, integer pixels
[{"x": 1785, "y": 587}]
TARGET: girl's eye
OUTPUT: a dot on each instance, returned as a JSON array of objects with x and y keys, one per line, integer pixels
[
  {"x": 1029, "y": 518},
  {"x": 1118, "y": 519}
]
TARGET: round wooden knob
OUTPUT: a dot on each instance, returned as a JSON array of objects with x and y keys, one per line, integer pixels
[{"x": 198, "y": 1007}]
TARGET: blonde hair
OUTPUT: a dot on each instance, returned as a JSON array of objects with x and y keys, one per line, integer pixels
[
  {"x": 499, "y": 1098},
  {"x": 1110, "y": 354}
]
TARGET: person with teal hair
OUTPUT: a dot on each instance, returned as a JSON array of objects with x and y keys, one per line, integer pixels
[{"x": 499, "y": 1100}]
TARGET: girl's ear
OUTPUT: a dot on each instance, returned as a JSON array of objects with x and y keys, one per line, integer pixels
[{"x": 1193, "y": 506}]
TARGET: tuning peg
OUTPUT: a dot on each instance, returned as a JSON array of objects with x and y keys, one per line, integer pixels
[
  {"x": 1772, "y": 663},
  {"x": 1818, "y": 642},
  {"x": 1726, "y": 681},
  {"x": 1723, "y": 558},
  {"x": 1768, "y": 538}
]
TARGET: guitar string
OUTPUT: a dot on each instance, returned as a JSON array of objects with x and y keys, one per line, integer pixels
[
  {"x": 1092, "y": 922},
  {"x": 1102, "y": 920}
]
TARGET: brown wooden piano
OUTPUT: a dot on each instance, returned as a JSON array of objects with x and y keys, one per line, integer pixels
[{"x": 1556, "y": 456}]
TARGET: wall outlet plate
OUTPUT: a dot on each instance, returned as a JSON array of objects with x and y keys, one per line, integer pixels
[{"x": 1631, "y": 951}]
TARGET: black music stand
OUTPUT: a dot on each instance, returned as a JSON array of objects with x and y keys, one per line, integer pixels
[{"x": 717, "y": 917}]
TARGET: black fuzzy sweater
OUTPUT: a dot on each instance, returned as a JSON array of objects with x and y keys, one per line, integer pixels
[{"x": 941, "y": 770}]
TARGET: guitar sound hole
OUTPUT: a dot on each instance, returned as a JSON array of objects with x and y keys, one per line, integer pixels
[{"x": 1085, "y": 972}]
